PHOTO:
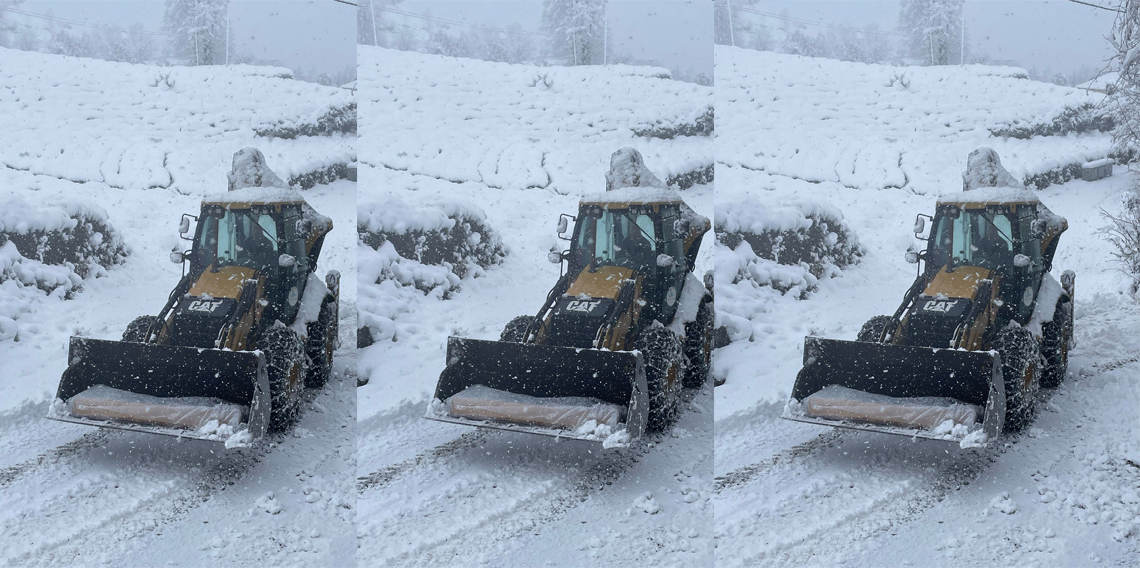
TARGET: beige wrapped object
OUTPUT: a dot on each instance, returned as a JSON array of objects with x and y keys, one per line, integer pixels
[
  {"x": 840, "y": 403},
  {"x": 101, "y": 402},
  {"x": 480, "y": 402}
]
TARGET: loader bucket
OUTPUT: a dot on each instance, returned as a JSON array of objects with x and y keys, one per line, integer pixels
[
  {"x": 900, "y": 389},
  {"x": 534, "y": 381},
  {"x": 164, "y": 389}
]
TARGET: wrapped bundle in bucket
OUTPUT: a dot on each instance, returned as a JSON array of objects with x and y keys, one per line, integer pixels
[
  {"x": 102, "y": 402},
  {"x": 835, "y": 402},
  {"x": 479, "y": 402}
]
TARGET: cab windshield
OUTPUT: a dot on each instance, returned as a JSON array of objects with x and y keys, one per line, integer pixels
[
  {"x": 974, "y": 238},
  {"x": 617, "y": 237},
  {"x": 239, "y": 237}
]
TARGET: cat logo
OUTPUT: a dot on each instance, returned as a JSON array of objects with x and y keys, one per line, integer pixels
[
  {"x": 939, "y": 306},
  {"x": 584, "y": 306},
  {"x": 207, "y": 306}
]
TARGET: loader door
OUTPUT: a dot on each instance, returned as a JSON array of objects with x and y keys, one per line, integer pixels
[
  {"x": 672, "y": 277},
  {"x": 292, "y": 276},
  {"x": 1027, "y": 278}
]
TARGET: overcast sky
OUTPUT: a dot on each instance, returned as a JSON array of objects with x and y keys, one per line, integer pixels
[
  {"x": 1053, "y": 34},
  {"x": 300, "y": 34},
  {"x": 676, "y": 34}
]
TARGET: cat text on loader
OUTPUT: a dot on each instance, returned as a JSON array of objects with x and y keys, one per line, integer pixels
[
  {"x": 248, "y": 326},
  {"x": 622, "y": 330},
  {"x": 983, "y": 325}
]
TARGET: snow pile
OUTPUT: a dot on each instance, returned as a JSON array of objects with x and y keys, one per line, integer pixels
[
  {"x": 407, "y": 252},
  {"x": 142, "y": 126},
  {"x": 48, "y": 252},
  {"x": 627, "y": 169},
  {"x": 250, "y": 170},
  {"x": 504, "y": 129},
  {"x": 984, "y": 169},
  {"x": 823, "y": 120}
]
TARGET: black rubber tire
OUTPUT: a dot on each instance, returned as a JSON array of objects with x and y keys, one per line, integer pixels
[
  {"x": 664, "y": 358},
  {"x": 1055, "y": 344},
  {"x": 515, "y": 330},
  {"x": 320, "y": 356},
  {"x": 873, "y": 329},
  {"x": 1020, "y": 355},
  {"x": 284, "y": 355},
  {"x": 136, "y": 330},
  {"x": 698, "y": 346}
]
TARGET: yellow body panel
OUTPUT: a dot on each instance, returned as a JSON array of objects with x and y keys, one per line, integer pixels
[
  {"x": 962, "y": 283},
  {"x": 604, "y": 283},
  {"x": 227, "y": 282}
]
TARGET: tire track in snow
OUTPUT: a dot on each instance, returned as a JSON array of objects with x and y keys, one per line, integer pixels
[
  {"x": 537, "y": 499},
  {"x": 387, "y": 474},
  {"x": 743, "y": 475},
  {"x": 52, "y": 457}
]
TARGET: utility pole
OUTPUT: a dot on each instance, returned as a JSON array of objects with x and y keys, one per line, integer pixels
[
  {"x": 962, "y": 42},
  {"x": 731, "y": 30},
  {"x": 227, "y": 33},
  {"x": 606, "y": 33},
  {"x": 372, "y": 9}
]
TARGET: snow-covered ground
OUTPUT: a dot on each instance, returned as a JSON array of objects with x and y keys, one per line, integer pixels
[
  {"x": 437, "y": 131},
  {"x": 1063, "y": 493},
  {"x": 93, "y": 132}
]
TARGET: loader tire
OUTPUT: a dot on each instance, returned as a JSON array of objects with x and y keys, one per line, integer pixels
[
  {"x": 664, "y": 358},
  {"x": 1055, "y": 345},
  {"x": 1020, "y": 371},
  {"x": 515, "y": 330},
  {"x": 321, "y": 346},
  {"x": 136, "y": 330},
  {"x": 873, "y": 329},
  {"x": 285, "y": 364},
  {"x": 698, "y": 346}
]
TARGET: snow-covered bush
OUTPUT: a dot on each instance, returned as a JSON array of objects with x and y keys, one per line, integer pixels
[
  {"x": 337, "y": 118},
  {"x": 701, "y": 175},
  {"x": 406, "y": 252},
  {"x": 50, "y": 251},
  {"x": 1086, "y": 117},
  {"x": 1124, "y": 233},
  {"x": 699, "y": 125},
  {"x": 801, "y": 244},
  {"x": 321, "y": 175}
]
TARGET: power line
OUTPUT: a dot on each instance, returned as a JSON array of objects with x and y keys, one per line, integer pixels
[
  {"x": 452, "y": 22},
  {"x": 345, "y": 2},
  {"x": 820, "y": 24},
  {"x": 79, "y": 23},
  {"x": 1096, "y": 6}
]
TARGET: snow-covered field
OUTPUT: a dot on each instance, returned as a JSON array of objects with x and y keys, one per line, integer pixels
[
  {"x": 99, "y": 134},
  {"x": 1063, "y": 493},
  {"x": 439, "y": 131}
]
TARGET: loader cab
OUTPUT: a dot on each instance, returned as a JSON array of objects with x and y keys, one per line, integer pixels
[
  {"x": 649, "y": 239},
  {"x": 269, "y": 238},
  {"x": 1001, "y": 241}
]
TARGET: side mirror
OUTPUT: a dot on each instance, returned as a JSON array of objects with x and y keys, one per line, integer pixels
[
  {"x": 1021, "y": 261},
  {"x": 332, "y": 280},
  {"x": 184, "y": 225},
  {"x": 555, "y": 257},
  {"x": 919, "y": 225},
  {"x": 681, "y": 227},
  {"x": 563, "y": 224},
  {"x": 664, "y": 261},
  {"x": 176, "y": 256},
  {"x": 304, "y": 227},
  {"x": 912, "y": 256},
  {"x": 286, "y": 261}
]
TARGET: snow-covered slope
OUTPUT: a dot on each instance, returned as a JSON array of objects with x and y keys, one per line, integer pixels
[
  {"x": 87, "y": 131},
  {"x": 792, "y": 494},
  {"x": 437, "y": 132},
  {"x": 876, "y": 126}
]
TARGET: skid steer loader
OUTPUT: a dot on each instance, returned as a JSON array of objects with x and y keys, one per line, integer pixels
[
  {"x": 623, "y": 329},
  {"x": 982, "y": 326},
  {"x": 247, "y": 327}
]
